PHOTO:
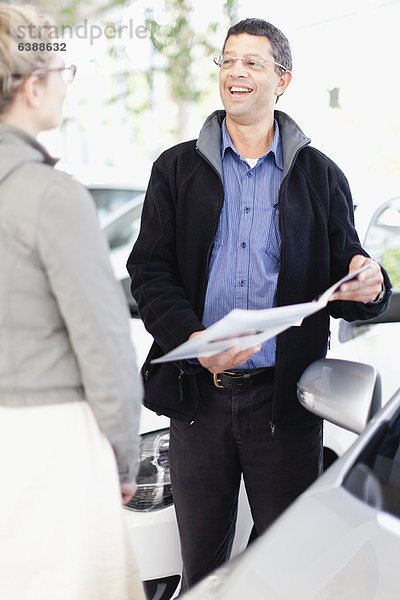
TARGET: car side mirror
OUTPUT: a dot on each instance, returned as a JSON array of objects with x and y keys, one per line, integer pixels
[{"x": 344, "y": 392}]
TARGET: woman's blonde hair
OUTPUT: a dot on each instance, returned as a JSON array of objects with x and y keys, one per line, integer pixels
[{"x": 16, "y": 26}]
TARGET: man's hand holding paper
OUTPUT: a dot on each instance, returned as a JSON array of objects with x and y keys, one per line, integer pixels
[
  {"x": 228, "y": 343},
  {"x": 223, "y": 361},
  {"x": 368, "y": 284}
]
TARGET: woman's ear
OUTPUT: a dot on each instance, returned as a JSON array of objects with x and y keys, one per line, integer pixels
[{"x": 31, "y": 91}]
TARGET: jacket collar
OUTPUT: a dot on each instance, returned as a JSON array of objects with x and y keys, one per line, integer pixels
[
  {"x": 19, "y": 147},
  {"x": 275, "y": 148},
  {"x": 209, "y": 140}
]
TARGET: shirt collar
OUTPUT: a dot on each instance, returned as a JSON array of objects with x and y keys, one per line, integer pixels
[{"x": 275, "y": 147}]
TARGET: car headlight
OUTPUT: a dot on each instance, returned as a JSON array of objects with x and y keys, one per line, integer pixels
[{"x": 154, "y": 482}]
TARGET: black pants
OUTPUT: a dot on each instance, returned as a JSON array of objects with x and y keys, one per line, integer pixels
[{"x": 230, "y": 436}]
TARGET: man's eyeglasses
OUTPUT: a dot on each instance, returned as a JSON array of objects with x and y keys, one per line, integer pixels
[
  {"x": 248, "y": 62},
  {"x": 67, "y": 73}
]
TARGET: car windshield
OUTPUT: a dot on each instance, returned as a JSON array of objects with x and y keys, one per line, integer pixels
[
  {"x": 383, "y": 239},
  {"x": 375, "y": 479}
]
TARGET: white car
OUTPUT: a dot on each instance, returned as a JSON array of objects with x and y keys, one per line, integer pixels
[
  {"x": 341, "y": 538},
  {"x": 150, "y": 514},
  {"x": 374, "y": 342},
  {"x": 110, "y": 187}
]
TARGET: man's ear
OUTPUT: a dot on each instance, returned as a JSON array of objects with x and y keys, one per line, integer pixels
[{"x": 283, "y": 83}]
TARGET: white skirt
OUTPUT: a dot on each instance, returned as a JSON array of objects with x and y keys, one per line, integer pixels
[{"x": 62, "y": 531}]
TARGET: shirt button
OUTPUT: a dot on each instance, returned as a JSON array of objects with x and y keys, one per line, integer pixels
[
  {"x": 249, "y": 174},
  {"x": 242, "y": 282},
  {"x": 246, "y": 209},
  {"x": 243, "y": 244}
]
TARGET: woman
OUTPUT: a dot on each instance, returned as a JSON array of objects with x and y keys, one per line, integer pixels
[{"x": 69, "y": 390}]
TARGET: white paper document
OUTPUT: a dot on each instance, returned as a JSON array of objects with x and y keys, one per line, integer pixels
[{"x": 247, "y": 328}]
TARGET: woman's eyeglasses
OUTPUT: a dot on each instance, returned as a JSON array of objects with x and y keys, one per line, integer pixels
[{"x": 67, "y": 73}]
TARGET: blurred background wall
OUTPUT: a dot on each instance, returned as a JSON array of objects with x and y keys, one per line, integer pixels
[{"x": 146, "y": 79}]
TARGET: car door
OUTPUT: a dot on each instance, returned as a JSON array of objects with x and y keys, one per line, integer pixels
[
  {"x": 377, "y": 342},
  {"x": 374, "y": 342}
]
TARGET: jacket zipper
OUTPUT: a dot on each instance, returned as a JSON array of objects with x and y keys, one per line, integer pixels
[
  {"x": 272, "y": 423},
  {"x": 181, "y": 373},
  {"x": 180, "y": 383},
  {"x": 215, "y": 226}
]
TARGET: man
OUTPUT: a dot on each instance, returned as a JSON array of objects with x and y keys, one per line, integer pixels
[{"x": 248, "y": 216}]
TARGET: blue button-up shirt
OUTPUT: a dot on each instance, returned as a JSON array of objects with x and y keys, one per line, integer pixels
[{"x": 245, "y": 260}]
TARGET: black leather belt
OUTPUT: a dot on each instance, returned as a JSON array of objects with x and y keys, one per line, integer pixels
[{"x": 233, "y": 380}]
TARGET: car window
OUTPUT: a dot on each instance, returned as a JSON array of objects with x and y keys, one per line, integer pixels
[
  {"x": 383, "y": 239},
  {"x": 375, "y": 479},
  {"x": 125, "y": 229},
  {"x": 121, "y": 234},
  {"x": 109, "y": 200}
]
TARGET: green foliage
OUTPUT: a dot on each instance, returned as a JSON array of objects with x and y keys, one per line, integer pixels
[
  {"x": 69, "y": 12},
  {"x": 176, "y": 44},
  {"x": 390, "y": 260},
  {"x": 181, "y": 47},
  {"x": 230, "y": 9},
  {"x": 178, "y": 50}
]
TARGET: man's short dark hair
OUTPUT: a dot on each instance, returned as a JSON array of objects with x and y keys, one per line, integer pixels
[{"x": 279, "y": 42}]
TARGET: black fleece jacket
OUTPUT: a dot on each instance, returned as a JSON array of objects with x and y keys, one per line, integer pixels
[{"x": 169, "y": 262}]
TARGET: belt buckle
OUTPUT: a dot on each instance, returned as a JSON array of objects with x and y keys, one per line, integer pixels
[{"x": 217, "y": 382}]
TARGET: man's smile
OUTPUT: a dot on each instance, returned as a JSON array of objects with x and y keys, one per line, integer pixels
[{"x": 239, "y": 90}]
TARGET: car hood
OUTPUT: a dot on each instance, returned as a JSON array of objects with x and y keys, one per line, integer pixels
[{"x": 328, "y": 545}]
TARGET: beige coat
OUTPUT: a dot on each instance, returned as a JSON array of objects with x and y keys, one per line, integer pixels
[{"x": 64, "y": 332}]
